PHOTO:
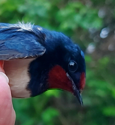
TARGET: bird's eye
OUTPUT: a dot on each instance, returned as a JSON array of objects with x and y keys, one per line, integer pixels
[{"x": 72, "y": 66}]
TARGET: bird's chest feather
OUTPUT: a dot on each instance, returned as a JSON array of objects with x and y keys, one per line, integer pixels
[{"x": 17, "y": 72}]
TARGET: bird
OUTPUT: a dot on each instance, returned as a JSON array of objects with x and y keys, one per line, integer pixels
[{"x": 37, "y": 59}]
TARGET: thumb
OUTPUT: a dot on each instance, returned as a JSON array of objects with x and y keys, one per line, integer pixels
[{"x": 7, "y": 114}]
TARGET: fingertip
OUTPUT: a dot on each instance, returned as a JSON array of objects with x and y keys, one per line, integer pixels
[{"x": 4, "y": 77}]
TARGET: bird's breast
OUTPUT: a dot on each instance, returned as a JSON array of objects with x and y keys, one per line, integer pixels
[{"x": 17, "y": 72}]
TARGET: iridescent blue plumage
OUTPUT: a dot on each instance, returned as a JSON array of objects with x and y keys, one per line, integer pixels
[{"x": 19, "y": 42}]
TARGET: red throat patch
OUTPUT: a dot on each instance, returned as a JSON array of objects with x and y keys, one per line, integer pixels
[{"x": 58, "y": 80}]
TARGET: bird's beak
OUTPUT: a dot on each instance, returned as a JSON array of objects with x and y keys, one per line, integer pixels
[{"x": 77, "y": 93}]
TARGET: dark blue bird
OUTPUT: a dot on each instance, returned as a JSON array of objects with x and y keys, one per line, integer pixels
[{"x": 36, "y": 59}]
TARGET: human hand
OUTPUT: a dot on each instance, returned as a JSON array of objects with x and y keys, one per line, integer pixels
[{"x": 7, "y": 113}]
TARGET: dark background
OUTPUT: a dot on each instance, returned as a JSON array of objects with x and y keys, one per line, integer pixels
[{"x": 91, "y": 24}]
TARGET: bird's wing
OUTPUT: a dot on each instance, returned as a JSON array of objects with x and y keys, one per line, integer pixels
[{"x": 20, "y": 41}]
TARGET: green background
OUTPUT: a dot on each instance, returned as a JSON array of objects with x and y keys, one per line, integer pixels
[{"x": 90, "y": 23}]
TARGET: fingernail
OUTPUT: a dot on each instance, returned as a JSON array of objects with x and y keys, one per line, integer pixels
[{"x": 3, "y": 74}]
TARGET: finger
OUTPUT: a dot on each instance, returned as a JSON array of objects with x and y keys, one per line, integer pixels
[{"x": 7, "y": 114}]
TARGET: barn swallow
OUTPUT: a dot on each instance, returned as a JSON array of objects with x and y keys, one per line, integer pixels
[{"x": 36, "y": 60}]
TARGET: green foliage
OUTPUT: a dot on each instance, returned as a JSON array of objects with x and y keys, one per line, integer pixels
[
  {"x": 32, "y": 110},
  {"x": 77, "y": 15},
  {"x": 109, "y": 111},
  {"x": 49, "y": 115},
  {"x": 74, "y": 18}
]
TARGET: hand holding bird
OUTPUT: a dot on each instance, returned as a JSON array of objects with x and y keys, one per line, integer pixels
[{"x": 7, "y": 114}]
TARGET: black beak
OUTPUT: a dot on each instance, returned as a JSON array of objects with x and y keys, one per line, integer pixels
[{"x": 77, "y": 93}]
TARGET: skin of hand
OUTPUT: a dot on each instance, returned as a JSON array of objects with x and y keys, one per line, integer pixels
[{"x": 7, "y": 113}]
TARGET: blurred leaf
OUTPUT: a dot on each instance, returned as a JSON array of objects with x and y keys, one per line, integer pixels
[
  {"x": 109, "y": 111},
  {"x": 88, "y": 59},
  {"x": 49, "y": 115}
]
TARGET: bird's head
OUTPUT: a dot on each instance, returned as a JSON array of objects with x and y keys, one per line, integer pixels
[
  {"x": 64, "y": 67},
  {"x": 69, "y": 73}
]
